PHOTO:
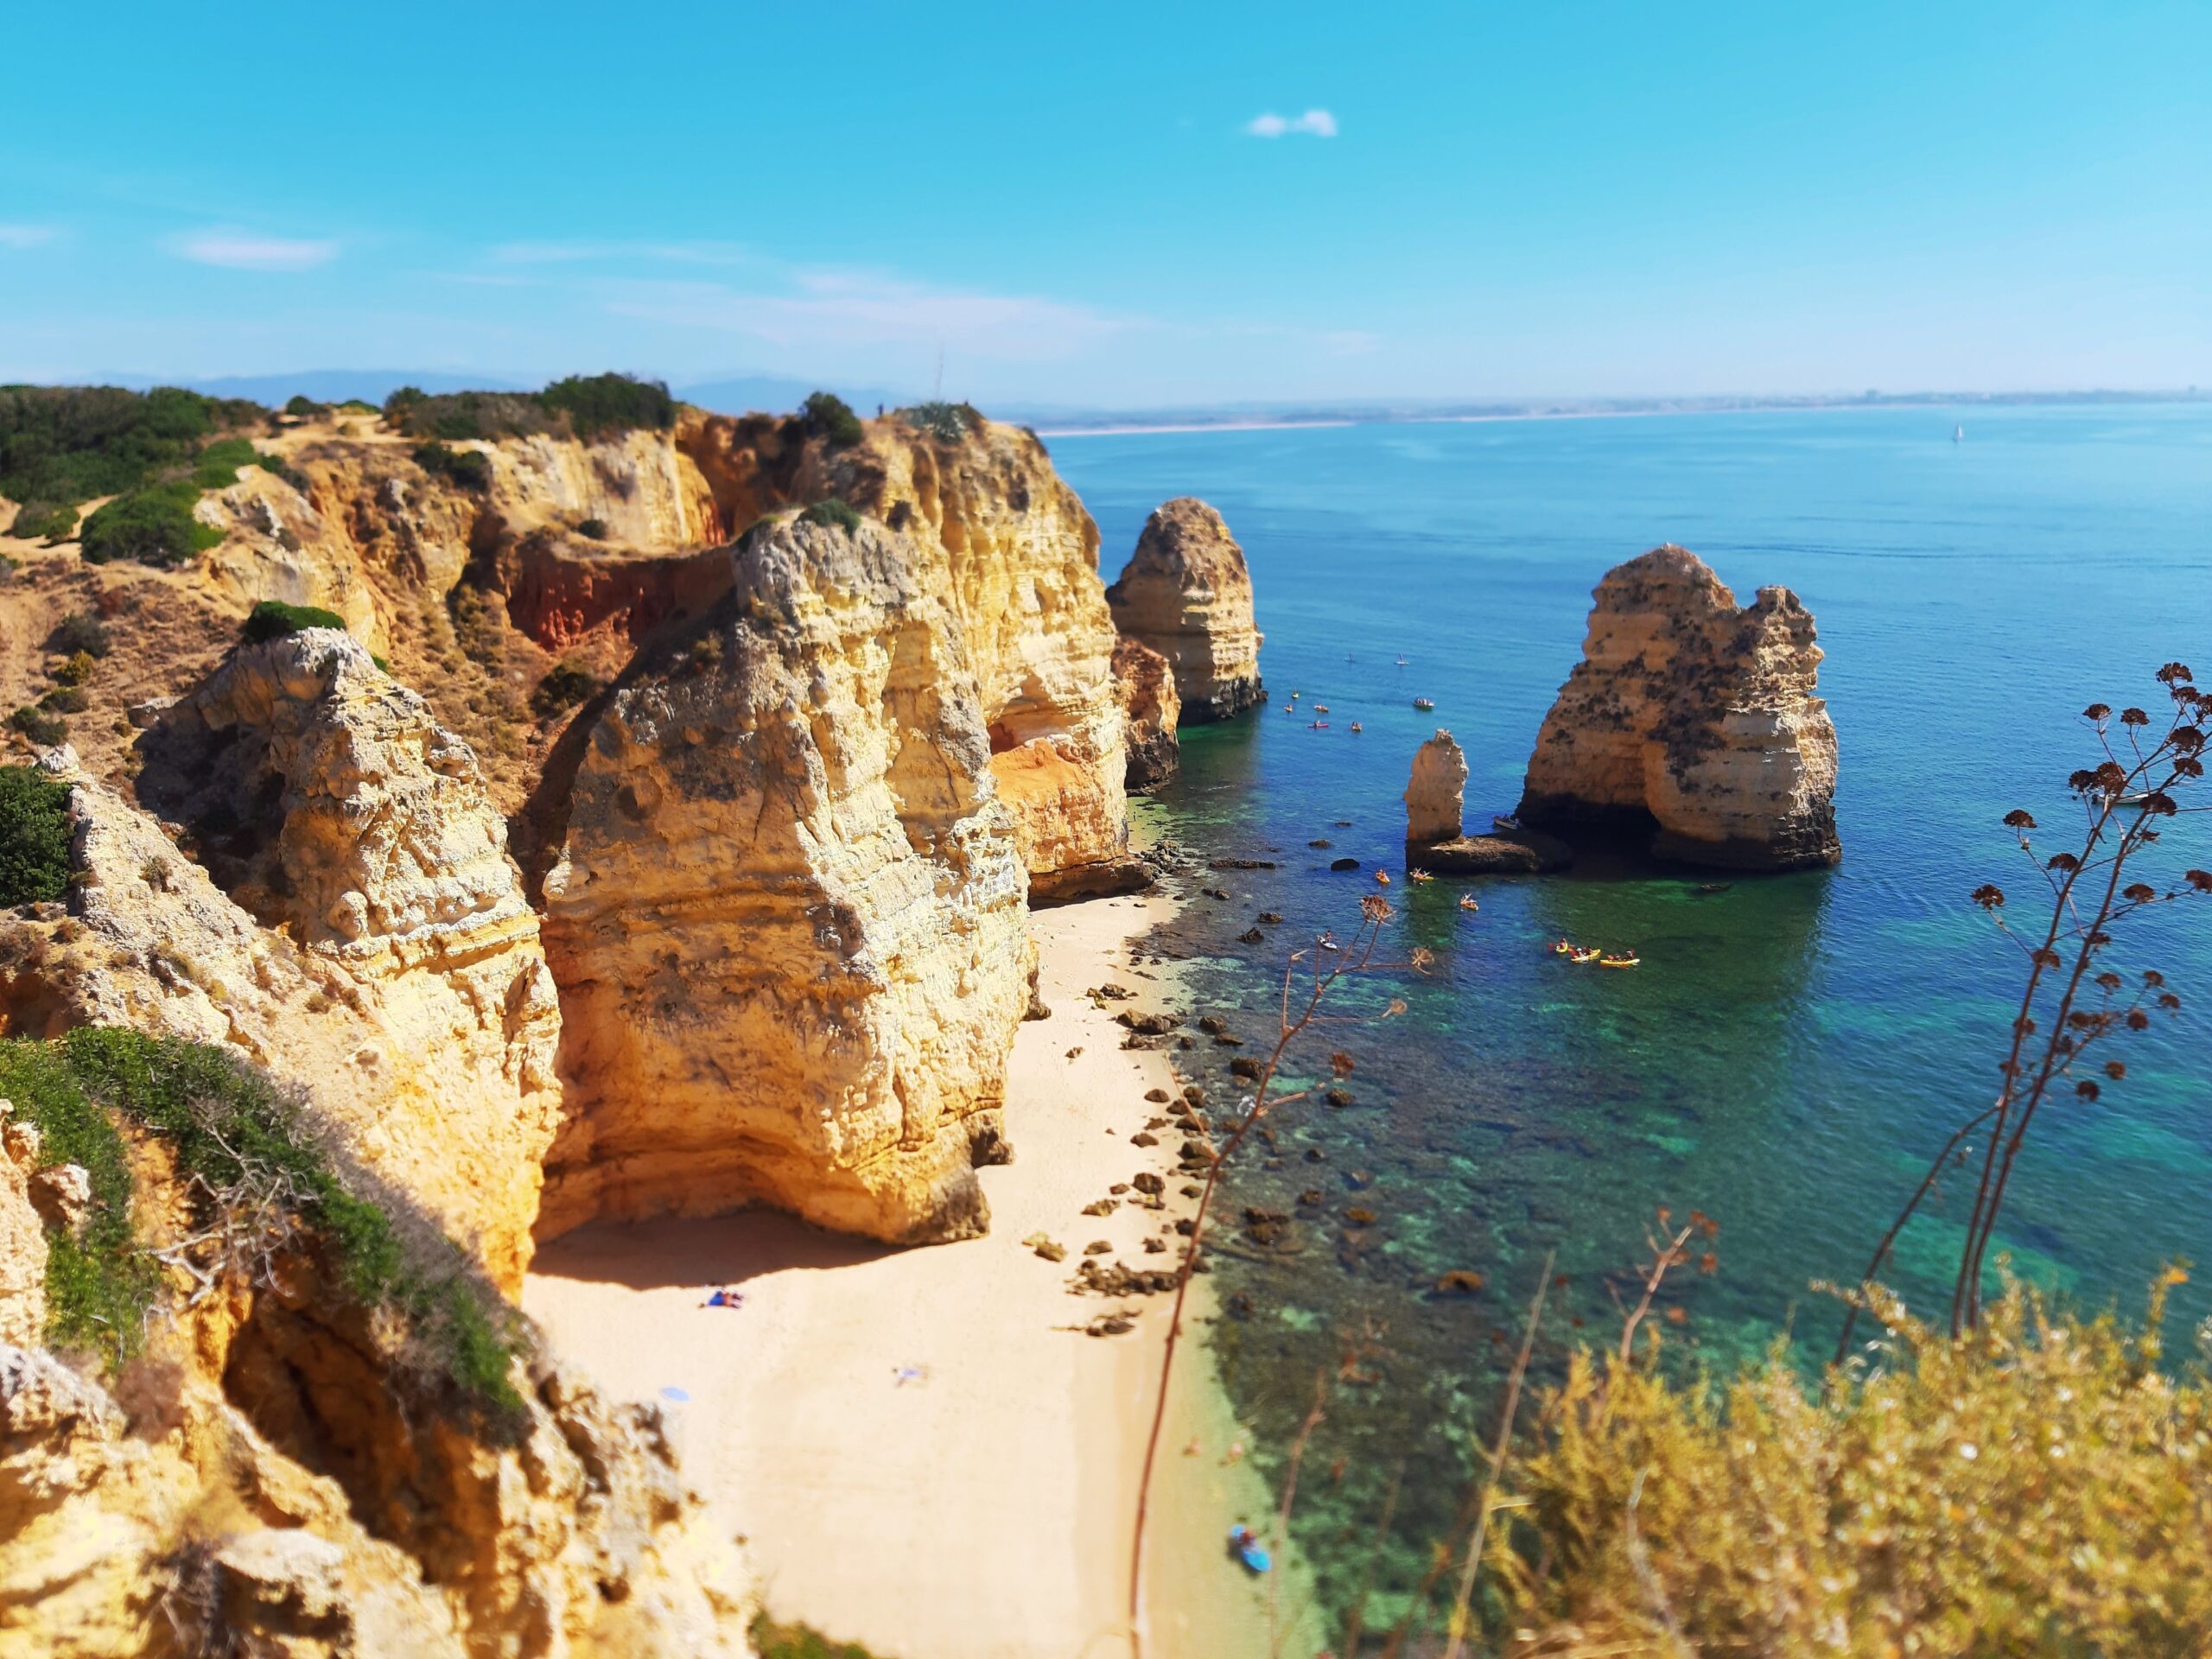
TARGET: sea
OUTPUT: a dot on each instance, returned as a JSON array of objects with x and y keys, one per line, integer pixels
[{"x": 1794, "y": 1048}]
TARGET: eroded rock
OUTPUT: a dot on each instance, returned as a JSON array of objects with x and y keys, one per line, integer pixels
[
  {"x": 1149, "y": 703},
  {"x": 1187, "y": 594}
]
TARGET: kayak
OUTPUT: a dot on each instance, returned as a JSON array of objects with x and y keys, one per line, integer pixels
[
  {"x": 1619, "y": 962},
  {"x": 1245, "y": 1544}
]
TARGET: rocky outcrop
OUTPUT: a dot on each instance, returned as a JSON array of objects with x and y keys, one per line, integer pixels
[
  {"x": 1002, "y": 537},
  {"x": 1150, "y": 709},
  {"x": 1187, "y": 594},
  {"x": 22, "y": 1234},
  {"x": 1692, "y": 724},
  {"x": 787, "y": 918},
  {"x": 1435, "y": 795},
  {"x": 325, "y": 805},
  {"x": 561, "y": 591}
]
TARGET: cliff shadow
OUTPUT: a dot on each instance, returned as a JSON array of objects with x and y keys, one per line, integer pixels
[{"x": 675, "y": 1251}]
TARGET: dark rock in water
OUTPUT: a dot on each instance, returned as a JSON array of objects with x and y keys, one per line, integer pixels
[
  {"x": 1324, "y": 843},
  {"x": 1270, "y": 918},
  {"x": 1240, "y": 864},
  {"x": 1315, "y": 1155},
  {"x": 1229, "y": 1040},
  {"x": 1216, "y": 892},
  {"x": 1517, "y": 852},
  {"x": 1360, "y": 1215},
  {"x": 1213, "y": 1025},
  {"x": 1105, "y": 879},
  {"x": 1338, "y": 1097},
  {"x": 1252, "y": 936},
  {"x": 1459, "y": 1282},
  {"x": 1343, "y": 863},
  {"x": 1246, "y": 1067},
  {"x": 1194, "y": 1094}
]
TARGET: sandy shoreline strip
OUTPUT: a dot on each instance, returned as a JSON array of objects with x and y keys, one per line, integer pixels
[{"x": 922, "y": 1455}]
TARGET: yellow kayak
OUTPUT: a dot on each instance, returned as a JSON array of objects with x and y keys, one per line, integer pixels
[{"x": 1619, "y": 962}]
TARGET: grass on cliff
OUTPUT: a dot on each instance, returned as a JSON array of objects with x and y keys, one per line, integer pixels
[
  {"x": 947, "y": 422},
  {"x": 273, "y": 619},
  {"x": 470, "y": 468},
  {"x": 824, "y": 415},
  {"x": 774, "y": 1641},
  {"x": 582, "y": 406},
  {"x": 257, "y": 1172},
  {"x": 832, "y": 514},
  {"x": 34, "y": 837}
]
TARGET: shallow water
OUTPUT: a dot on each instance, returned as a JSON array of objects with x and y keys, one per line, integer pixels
[{"x": 1793, "y": 1048}]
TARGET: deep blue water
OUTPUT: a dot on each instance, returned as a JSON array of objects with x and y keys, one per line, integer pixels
[{"x": 1794, "y": 1048}]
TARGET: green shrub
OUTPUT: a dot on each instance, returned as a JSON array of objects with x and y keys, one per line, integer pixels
[
  {"x": 775, "y": 1641},
  {"x": 600, "y": 405},
  {"x": 304, "y": 407},
  {"x": 832, "y": 513},
  {"x": 42, "y": 728},
  {"x": 80, "y": 631},
  {"x": 272, "y": 619},
  {"x": 235, "y": 1137},
  {"x": 470, "y": 468},
  {"x": 564, "y": 687},
  {"x": 358, "y": 406},
  {"x": 76, "y": 668},
  {"x": 65, "y": 700},
  {"x": 68, "y": 444},
  {"x": 34, "y": 838},
  {"x": 829, "y": 416},
  {"x": 947, "y": 423},
  {"x": 216, "y": 466},
  {"x": 2035, "y": 1487},
  {"x": 592, "y": 530},
  {"x": 39, "y": 523},
  {"x": 153, "y": 525}
]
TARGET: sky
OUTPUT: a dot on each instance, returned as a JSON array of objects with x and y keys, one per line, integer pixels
[{"x": 1133, "y": 205}]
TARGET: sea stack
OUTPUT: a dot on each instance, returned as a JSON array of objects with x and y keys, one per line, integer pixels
[
  {"x": 1691, "y": 726},
  {"x": 1150, "y": 704},
  {"x": 1435, "y": 842},
  {"x": 1186, "y": 592}
]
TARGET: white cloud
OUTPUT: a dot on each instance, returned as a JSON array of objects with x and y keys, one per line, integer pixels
[
  {"x": 239, "y": 251},
  {"x": 1315, "y": 124},
  {"x": 24, "y": 236},
  {"x": 584, "y": 252}
]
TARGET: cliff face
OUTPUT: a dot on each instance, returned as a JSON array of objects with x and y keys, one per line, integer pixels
[
  {"x": 1150, "y": 709},
  {"x": 788, "y": 919},
  {"x": 1436, "y": 793},
  {"x": 1692, "y": 722},
  {"x": 1187, "y": 594},
  {"x": 324, "y": 800},
  {"x": 1008, "y": 543}
]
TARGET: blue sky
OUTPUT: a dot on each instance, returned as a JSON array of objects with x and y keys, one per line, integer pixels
[{"x": 1120, "y": 205}]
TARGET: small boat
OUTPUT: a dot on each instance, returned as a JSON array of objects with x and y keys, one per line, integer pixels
[
  {"x": 1561, "y": 948},
  {"x": 1629, "y": 960},
  {"x": 1382, "y": 877},
  {"x": 1957, "y": 435},
  {"x": 1321, "y": 708},
  {"x": 1418, "y": 875},
  {"x": 1504, "y": 821},
  {"x": 1244, "y": 1544},
  {"x": 1424, "y": 704},
  {"x": 1318, "y": 726},
  {"x": 1354, "y": 724},
  {"x": 1467, "y": 902},
  {"x": 1584, "y": 956},
  {"x": 1402, "y": 662}
]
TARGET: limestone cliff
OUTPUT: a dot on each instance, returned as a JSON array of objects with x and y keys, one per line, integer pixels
[
  {"x": 1692, "y": 723},
  {"x": 1150, "y": 709},
  {"x": 1185, "y": 593},
  {"x": 1009, "y": 545},
  {"x": 788, "y": 917},
  {"x": 1436, "y": 793},
  {"x": 1437, "y": 843}
]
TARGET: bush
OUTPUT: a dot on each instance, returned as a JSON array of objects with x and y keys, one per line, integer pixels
[
  {"x": 216, "y": 466},
  {"x": 44, "y": 524},
  {"x": 80, "y": 631},
  {"x": 65, "y": 700},
  {"x": 241, "y": 1146},
  {"x": 598, "y": 405},
  {"x": 34, "y": 837},
  {"x": 592, "y": 530},
  {"x": 775, "y": 1641},
  {"x": 43, "y": 728},
  {"x": 829, "y": 416},
  {"x": 832, "y": 513},
  {"x": 470, "y": 468},
  {"x": 272, "y": 619},
  {"x": 153, "y": 525},
  {"x": 947, "y": 423},
  {"x": 304, "y": 407},
  {"x": 76, "y": 668},
  {"x": 67, "y": 444},
  {"x": 2036, "y": 1486},
  {"x": 566, "y": 685}
]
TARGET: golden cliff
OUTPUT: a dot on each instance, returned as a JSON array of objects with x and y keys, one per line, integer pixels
[
  {"x": 788, "y": 916},
  {"x": 1186, "y": 592},
  {"x": 1003, "y": 538},
  {"x": 1692, "y": 724},
  {"x": 1151, "y": 709}
]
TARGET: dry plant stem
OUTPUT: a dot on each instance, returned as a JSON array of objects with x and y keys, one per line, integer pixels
[
  {"x": 1356, "y": 1621},
  {"x": 1359, "y": 955},
  {"x": 1889, "y": 1239},
  {"x": 1468, "y": 1568}
]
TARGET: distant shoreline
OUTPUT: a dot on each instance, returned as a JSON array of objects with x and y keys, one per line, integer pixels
[{"x": 1617, "y": 412}]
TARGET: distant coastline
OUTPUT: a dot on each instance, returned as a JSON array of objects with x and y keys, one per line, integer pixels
[{"x": 1246, "y": 420}]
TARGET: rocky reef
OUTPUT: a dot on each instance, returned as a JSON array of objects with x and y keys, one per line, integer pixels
[
  {"x": 1690, "y": 725},
  {"x": 1435, "y": 839},
  {"x": 1150, "y": 706},
  {"x": 788, "y": 917},
  {"x": 1185, "y": 593}
]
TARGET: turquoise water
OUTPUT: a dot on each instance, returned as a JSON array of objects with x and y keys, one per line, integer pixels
[{"x": 1794, "y": 1048}]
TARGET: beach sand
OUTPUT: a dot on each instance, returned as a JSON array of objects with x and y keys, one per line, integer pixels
[{"x": 921, "y": 1453}]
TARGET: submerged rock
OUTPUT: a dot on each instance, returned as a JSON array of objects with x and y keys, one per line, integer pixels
[
  {"x": 1187, "y": 594},
  {"x": 1691, "y": 725}
]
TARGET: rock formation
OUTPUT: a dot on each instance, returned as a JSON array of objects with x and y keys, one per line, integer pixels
[
  {"x": 1186, "y": 592},
  {"x": 324, "y": 801},
  {"x": 1692, "y": 724},
  {"x": 1008, "y": 544},
  {"x": 788, "y": 917},
  {"x": 1151, "y": 707},
  {"x": 1434, "y": 840}
]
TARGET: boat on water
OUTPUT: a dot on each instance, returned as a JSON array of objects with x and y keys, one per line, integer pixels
[
  {"x": 1418, "y": 875},
  {"x": 1957, "y": 435},
  {"x": 1402, "y": 662},
  {"x": 1321, "y": 708},
  {"x": 1244, "y": 1544},
  {"x": 1424, "y": 703},
  {"x": 1382, "y": 877},
  {"x": 1504, "y": 821},
  {"x": 1318, "y": 726},
  {"x": 1354, "y": 724},
  {"x": 1467, "y": 902},
  {"x": 1630, "y": 960},
  {"x": 1584, "y": 955}
]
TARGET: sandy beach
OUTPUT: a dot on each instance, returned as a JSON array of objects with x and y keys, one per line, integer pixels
[{"x": 923, "y": 1451}]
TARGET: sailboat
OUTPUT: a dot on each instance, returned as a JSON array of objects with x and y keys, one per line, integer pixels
[{"x": 1958, "y": 433}]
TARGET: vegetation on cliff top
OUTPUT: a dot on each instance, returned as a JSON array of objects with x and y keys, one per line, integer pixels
[
  {"x": 582, "y": 406},
  {"x": 258, "y": 1179},
  {"x": 34, "y": 837},
  {"x": 470, "y": 468},
  {"x": 829, "y": 417},
  {"x": 947, "y": 423},
  {"x": 272, "y": 619},
  {"x": 833, "y": 514}
]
